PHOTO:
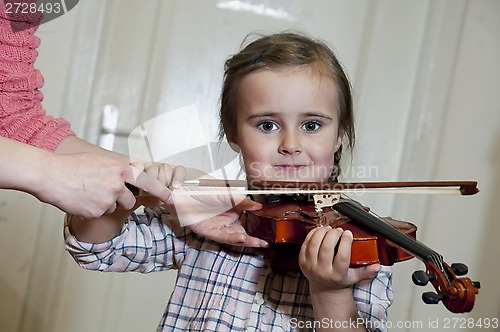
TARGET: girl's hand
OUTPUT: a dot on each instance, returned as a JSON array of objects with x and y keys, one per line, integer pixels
[
  {"x": 227, "y": 227},
  {"x": 215, "y": 217},
  {"x": 326, "y": 267}
]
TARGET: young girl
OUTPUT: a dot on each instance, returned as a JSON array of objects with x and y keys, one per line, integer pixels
[{"x": 286, "y": 106}]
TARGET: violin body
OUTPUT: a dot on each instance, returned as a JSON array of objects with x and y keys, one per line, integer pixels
[{"x": 285, "y": 226}]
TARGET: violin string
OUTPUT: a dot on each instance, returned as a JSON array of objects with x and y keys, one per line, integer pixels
[
  {"x": 412, "y": 245},
  {"x": 434, "y": 257},
  {"x": 437, "y": 259}
]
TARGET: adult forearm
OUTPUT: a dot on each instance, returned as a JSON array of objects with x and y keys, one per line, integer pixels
[
  {"x": 21, "y": 165},
  {"x": 73, "y": 144},
  {"x": 85, "y": 184}
]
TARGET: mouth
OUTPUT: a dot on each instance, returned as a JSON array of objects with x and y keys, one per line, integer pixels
[{"x": 290, "y": 167}]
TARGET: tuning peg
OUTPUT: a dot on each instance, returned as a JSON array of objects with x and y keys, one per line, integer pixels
[
  {"x": 459, "y": 269},
  {"x": 476, "y": 284},
  {"x": 432, "y": 298},
  {"x": 421, "y": 278}
]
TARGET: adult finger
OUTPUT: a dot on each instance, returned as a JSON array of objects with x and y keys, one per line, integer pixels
[
  {"x": 151, "y": 185},
  {"x": 126, "y": 199}
]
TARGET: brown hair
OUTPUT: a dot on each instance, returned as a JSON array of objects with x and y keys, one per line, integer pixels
[{"x": 284, "y": 50}]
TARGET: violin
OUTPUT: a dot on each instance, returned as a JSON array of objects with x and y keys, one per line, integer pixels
[{"x": 285, "y": 225}]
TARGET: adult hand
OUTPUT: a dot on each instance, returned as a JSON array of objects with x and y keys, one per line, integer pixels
[{"x": 89, "y": 185}]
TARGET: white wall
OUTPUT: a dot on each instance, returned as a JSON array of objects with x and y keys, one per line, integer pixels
[{"x": 426, "y": 88}]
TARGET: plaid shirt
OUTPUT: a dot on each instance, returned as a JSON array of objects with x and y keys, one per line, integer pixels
[{"x": 220, "y": 287}]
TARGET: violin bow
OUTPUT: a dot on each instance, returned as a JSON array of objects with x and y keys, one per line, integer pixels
[{"x": 295, "y": 187}]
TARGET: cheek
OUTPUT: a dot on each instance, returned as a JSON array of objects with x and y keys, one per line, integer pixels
[
  {"x": 256, "y": 159},
  {"x": 323, "y": 159},
  {"x": 253, "y": 156},
  {"x": 322, "y": 153},
  {"x": 254, "y": 148},
  {"x": 250, "y": 156}
]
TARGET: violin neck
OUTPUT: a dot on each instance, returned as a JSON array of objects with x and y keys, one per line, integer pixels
[{"x": 377, "y": 225}]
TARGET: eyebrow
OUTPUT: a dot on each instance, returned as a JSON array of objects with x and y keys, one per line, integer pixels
[
  {"x": 309, "y": 114},
  {"x": 319, "y": 115}
]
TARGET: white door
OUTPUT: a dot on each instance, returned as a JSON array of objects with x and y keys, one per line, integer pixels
[{"x": 426, "y": 94}]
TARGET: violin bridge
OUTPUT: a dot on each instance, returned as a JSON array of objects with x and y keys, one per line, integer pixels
[{"x": 324, "y": 201}]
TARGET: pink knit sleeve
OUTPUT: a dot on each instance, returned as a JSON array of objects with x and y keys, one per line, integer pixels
[{"x": 22, "y": 116}]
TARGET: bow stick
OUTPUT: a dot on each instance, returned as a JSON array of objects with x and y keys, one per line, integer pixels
[{"x": 220, "y": 187}]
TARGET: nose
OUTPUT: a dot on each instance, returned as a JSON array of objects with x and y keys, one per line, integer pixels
[{"x": 290, "y": 143}]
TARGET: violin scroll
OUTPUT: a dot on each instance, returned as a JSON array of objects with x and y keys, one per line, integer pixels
[{"x": 457, "y": 294}]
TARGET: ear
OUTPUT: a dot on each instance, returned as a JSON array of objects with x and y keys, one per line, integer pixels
[
  {"x": 231, "y": 139},
  {"x": 235, "y": 147},
  {"x": 339, "y": 143}
]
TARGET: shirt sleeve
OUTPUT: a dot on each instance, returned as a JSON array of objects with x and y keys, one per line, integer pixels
[
  {"x": 373, "y": 298},
  {"x": 147, "y": 243},
  {"x": 22, "y": 116}
]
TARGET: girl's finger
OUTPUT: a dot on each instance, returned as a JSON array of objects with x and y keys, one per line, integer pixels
[
  {"x": 179, "y": 175},
  {"x": 329, "y": 247},
  {"x": 164, "y": 173},
  {"x": 138, "y": 167},
  {"x": 309, "y": 250},
  {"x": 151, "y": 185},
  {"x": 343, "y": 255}
]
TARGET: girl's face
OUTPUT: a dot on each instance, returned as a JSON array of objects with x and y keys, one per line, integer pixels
[{"x": 287, "y": 124}]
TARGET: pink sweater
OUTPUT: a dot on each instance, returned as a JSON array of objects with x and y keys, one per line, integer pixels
[{"x": 22, "y": 116}]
